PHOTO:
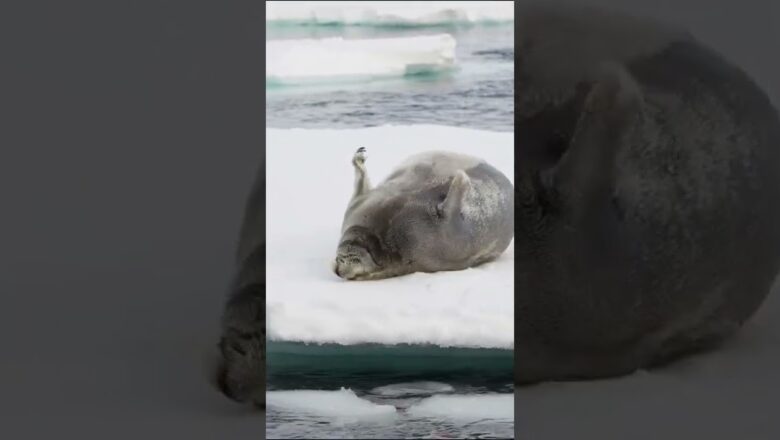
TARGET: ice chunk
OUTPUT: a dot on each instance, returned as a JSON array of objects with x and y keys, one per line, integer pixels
[
  {"x": 343, "y": 403},
  {"x": 466, "y": 407},
  {"x": 389, "y": 13},
  {"x": 312, "y": 61},
  {"x": 309, "y": 183},
  {"x": 413, "y": 389}
]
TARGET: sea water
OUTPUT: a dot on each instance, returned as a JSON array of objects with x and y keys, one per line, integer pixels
[
  {"x": 382, "y": 391},
  {"x": 476, "y": 93},
  {"x": 424, "y": 409},
  {"x": 376, "y": 391}
]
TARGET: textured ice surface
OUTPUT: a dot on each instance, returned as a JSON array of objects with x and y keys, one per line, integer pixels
[
  {"x": 390, "y": 13},
  {"x": 290, "y": 62},
  {"x": 343, "y": 414},
  {"x": 345, "y": 404},
  {"x": 467, "y": 407},
  {"x": 412, "y": 388},
  {"x": 309, "y": 178},
  {"x": 341, "y": 403}
]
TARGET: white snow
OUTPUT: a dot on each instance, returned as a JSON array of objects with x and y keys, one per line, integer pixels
[
  {"x": 309, "y": 183},
  {"x": 342, "y": 403},
  {"x": 307, "y": 61},
  {"x": 411, "y": 13},
  {"x": 467, "y": 407}
]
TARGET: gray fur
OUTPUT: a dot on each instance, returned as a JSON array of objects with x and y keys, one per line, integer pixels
[
  {"x": 238, "y": 369},
  {"x": 647, "y": 212},
  {"x": 437, "y": 211}
]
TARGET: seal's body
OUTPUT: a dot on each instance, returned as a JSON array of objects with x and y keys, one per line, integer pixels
[
  {"x": 239, "y": 364},
  {"x": 437, "y": 211},
  {"x": 648, "y": 214}
]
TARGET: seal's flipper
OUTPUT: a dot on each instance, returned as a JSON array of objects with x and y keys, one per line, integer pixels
[
  {"x": 584, "y": 177},
  {"x": 362, "y": 184},
  {"x": 454, "y": 201}
]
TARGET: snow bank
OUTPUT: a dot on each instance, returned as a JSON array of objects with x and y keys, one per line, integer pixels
[
  {"x": 342, "y": 403},
  {"x": 337, "y": 59},
  {"x": 309, "y": 178},
  {"x": 390, "y": 13},
  {"x": 467, "y": 407}
]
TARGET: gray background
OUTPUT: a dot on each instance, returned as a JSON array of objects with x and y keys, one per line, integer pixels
[{"x": 130, "y": 134}]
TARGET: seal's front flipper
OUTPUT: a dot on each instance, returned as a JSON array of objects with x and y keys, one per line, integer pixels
[
  {"x": 362, "y": 184},
  {"x": 584, "y": 177},
  {"x": 453, "y": 203},
  {"x": 239, "y": 369}
]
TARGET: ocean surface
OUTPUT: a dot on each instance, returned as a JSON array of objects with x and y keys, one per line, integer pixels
[
  {"x": 422, "y": 409},
  {"x": 374, "y": 391},
  {"x": 477, "y": 93}
]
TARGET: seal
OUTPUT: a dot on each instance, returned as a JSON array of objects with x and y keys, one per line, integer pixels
[
  {"x": 647, "y": 195},
  {"x": 237, "y": 369},
  {"x": 438, "y": 211}
]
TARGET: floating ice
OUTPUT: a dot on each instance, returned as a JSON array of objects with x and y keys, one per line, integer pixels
[
  {"x": 309, "y": 183},
  {"x": 412, "y": 389},
  {"x": 312, "y": 61},
  {"x": 390, "y": 13},
  {"x": 466, "y": 407},
  {"x": 342, "y": 403}
]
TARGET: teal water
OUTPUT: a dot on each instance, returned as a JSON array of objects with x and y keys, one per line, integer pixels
[{"x": 312, "y": 366}]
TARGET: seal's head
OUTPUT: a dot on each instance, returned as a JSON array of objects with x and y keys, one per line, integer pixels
[
  {"x": 358, "y": 254},
  {"x": 354, "y": 262}
]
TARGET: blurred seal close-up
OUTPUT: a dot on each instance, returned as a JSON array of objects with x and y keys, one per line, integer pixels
[{"x": 646, "y": 201}]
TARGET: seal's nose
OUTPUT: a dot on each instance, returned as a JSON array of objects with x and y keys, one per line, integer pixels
[{"x": 342, "y": 266}]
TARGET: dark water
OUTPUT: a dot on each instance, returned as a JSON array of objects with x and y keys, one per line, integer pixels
[{"x": 479, "y": 93}]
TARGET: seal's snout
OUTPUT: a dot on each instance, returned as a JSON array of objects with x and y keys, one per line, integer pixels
[
  {"x": 346, "y": 266},
  {"x": 353, "y": 262},
  {"x": 340, "y": 268}
]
